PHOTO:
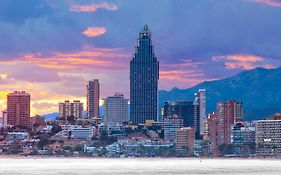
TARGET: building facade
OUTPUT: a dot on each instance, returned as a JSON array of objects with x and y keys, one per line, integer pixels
[
  {"x": 170, "y": 125},
  {"x": 243, "y": 139},
  {"x": 144, "y": 75},
  {"x": 268, "y": 138},
  {"x": 228, "y": 113},
  {"x": 185, "y": 140},
  {"x": 93, "y": 96},
  {"x": 211, "y": 133},
  {"x": 71, "y": 109},
  {"x": 4, "y": 118},
  {"x": 115, "y": 109},
  {"x": 18, "y": 109},
  {"x": 184, "y": 109},
  {"x": 200, "y": 110},
  {"x": 81, "y": 133}
]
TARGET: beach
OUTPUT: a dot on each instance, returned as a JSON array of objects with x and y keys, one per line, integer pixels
[{"x": 163, "y": 166}]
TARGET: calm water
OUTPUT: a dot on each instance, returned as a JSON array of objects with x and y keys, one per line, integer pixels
[{"x": 38, "y": 166}]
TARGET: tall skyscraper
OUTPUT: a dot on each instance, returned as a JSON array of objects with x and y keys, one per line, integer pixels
[
  {"x": 200, "y": 110},
  {"x": 228, "y": 113},
  {"x": 93, "y": 96},
  {"x": 18, "y": 109},
  {"x": 115, "y": 109},
  {"x": 69, "y": 109},
  {"x": 144, "y": 75}
]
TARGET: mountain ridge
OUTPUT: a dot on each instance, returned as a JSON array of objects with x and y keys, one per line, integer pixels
[{"x": 259, "y": 89}]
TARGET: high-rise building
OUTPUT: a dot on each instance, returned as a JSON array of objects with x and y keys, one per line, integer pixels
[
  {"x": 171, "y": 124},
  {"x": 211, "y": 133},
  {"x": 200, "y": 110},
  {"x": 4, "y": 118},
  {"x": 185, "y": 140},
  {"x": 71, "y": 109},
  {"x": 184, "y": 109},
  {"x": 243, "y": 139},
  {"x": 144, "y": 75},
  {"x": 268, "y": 140},
  {"x": 93, "y": 96},
  {"x": 18, "y": 109},
  {"x": 228, "y": 113},
  {"x": 115, "y": 109}
]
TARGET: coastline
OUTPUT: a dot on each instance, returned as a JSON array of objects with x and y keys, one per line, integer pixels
[{"x": 134, "y": 158}]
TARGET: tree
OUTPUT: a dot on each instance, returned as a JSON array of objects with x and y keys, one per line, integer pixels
[
  {"x": 105, "y": 139},
  {"x": 71, "y": 119},
  {"x": 66, "y": 147},
  {"x": 79, "y": 148},
  {"x": 55, "y": 129},
  {"x": 154, "y": 127},
  {"x": 226, "y": 149},
  {"x": 161, "y": 134},
  {"x": 43, "y": 141},
  {"x": 129, "y": 130}
]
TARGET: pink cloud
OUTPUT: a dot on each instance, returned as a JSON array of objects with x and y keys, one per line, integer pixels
[
  {"x": 53, "y": 77},
  {"x": 241, "y": 61},
  {"x": 99, "y": 58},
  {"x": 93, "y": 7},
  {"x": 182, "y": 75},
  {"x": 94, "y": 31},
  {"x": 274, "y": 3}
]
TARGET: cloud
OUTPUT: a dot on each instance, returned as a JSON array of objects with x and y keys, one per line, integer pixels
[
  {"x": 239, "y": 58},
  {"x": 57, "y": 76},
  {"x": 94, "y": 31},
  {"x": 100, "y": 58},
  {"x": 43, "y": 107},
  {"x": 241, "y": 61},
  {"x": 274, "y": 3},
  {"x": 93, "y": 7},
  {"x": 187, "y": 73}
]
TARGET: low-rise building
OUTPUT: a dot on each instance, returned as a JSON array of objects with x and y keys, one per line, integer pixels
[
  {"x": 82, "y": 133},
  {"x": 12, "y": 136}
]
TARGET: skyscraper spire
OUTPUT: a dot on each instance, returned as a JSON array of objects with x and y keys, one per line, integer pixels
[{"x": 145, "y": 32}]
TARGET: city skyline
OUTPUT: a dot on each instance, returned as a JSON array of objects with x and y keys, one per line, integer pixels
[{"x": 65, "y": 44}]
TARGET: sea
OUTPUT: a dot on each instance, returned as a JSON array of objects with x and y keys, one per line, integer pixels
[{"x": 133, "y": 166}]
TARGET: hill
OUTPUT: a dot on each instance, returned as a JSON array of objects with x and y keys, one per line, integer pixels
[{"x": 259, "y": 89}]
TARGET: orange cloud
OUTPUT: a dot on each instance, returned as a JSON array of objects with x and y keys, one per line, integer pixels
[
  {"x": 274, "y": 3},
  {"x": 94, "y": 31},
  {"x": 93, "y": 7},
  {"x": 100, "y": 57},
  {"x": 241, "y": 61}
]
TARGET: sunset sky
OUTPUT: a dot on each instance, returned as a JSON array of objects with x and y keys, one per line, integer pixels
[{"x": 50, "y": 48}]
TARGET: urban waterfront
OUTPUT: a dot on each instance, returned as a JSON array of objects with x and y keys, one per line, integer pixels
[{"x": 71, "y": 166}]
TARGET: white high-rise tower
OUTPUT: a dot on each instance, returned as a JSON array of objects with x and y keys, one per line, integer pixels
[{"x": 200, "y": 101}]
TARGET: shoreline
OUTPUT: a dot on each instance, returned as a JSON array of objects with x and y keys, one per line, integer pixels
[{"x": 133, "y": 158}]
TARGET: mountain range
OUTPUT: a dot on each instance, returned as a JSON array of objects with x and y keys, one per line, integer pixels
[{"x": 259, "y": 89}]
